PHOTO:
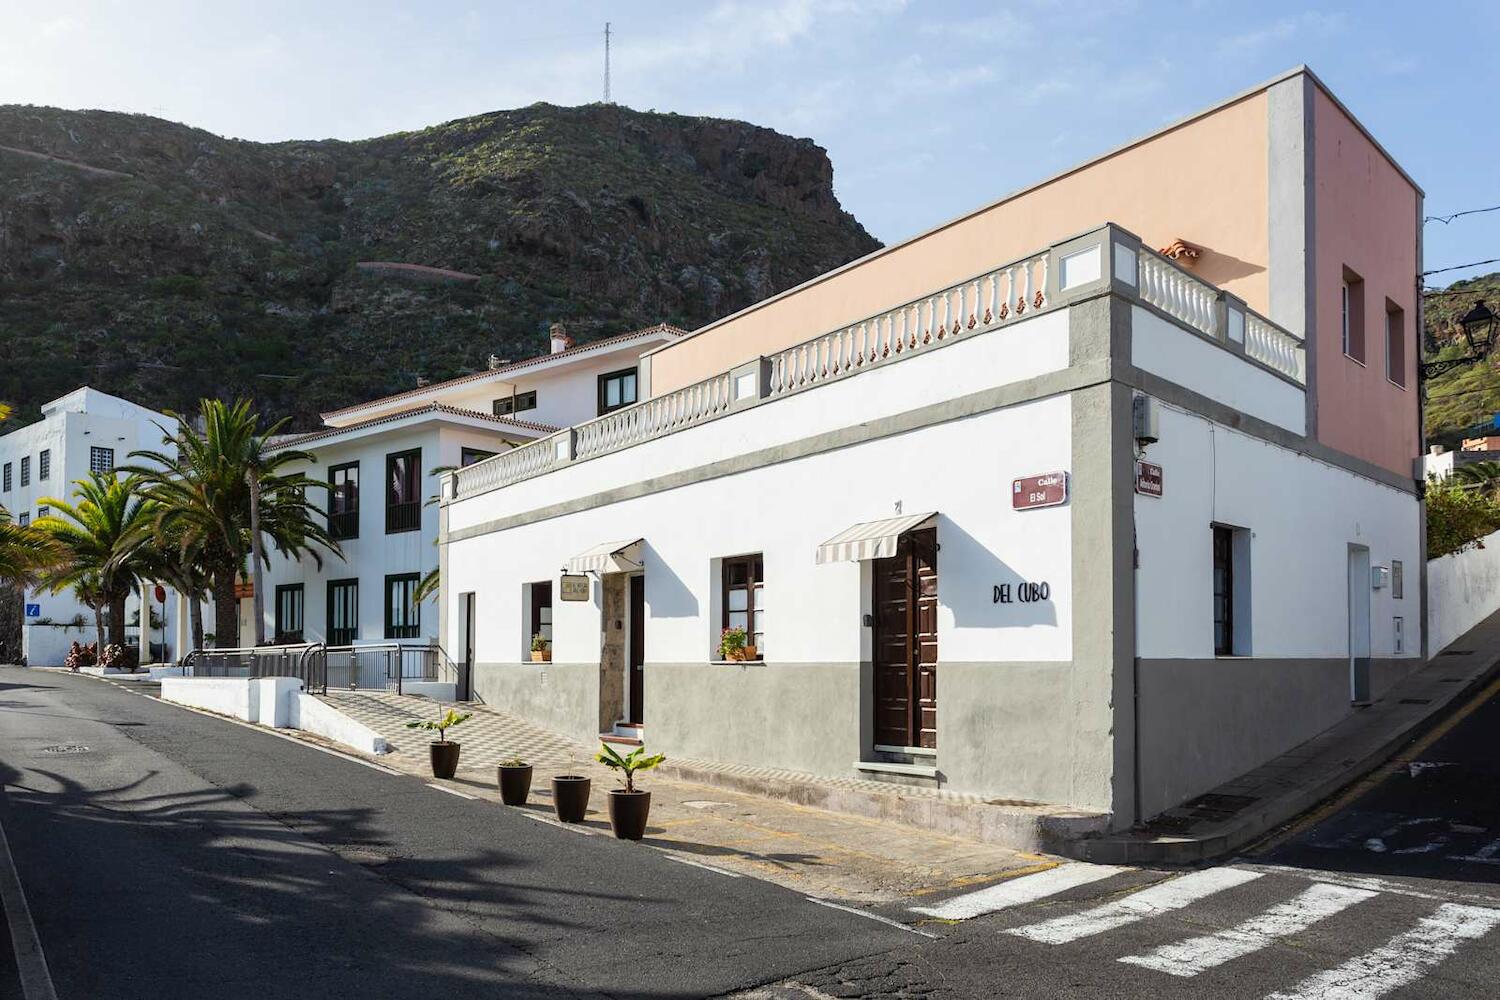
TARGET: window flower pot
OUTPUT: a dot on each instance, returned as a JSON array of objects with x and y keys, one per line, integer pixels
[
  {"x": 515, "y": 783},
  {"x": 628, "y": 812},
  {"x": 751, "y": 653},
  {"x": 541, "y": 656},
  {"x": 570, "y": 797},
  {"x": 444, "y": 758}
]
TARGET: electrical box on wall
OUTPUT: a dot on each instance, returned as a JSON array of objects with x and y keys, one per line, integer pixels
[
  {"x": 1380, "y": 577},
  {"x": 1143, "y": 410}
]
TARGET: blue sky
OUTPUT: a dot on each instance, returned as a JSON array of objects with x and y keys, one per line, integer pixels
[{"x": 928, "y": 109}]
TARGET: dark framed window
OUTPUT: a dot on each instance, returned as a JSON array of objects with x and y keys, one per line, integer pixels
[
  {"x": 616, "y": 389},
  {"x": 24, "y": 518},
  {"x": 468, "y": 456},
  {"x": 1398, "y": 580},
  {"x": 403, "y": 615},
  {"x": 541, "y": 612},
  {"x": 1352, "y": 316},
  {"x": 744, "y": 600},
  {"x": 5, "y": 478},
  {"x": 343, "y": 612},
  {"x": 1395, "y": 344},
  {"x": 25, "y": 470},
  {"x": 289, "y": 606},
  {"x": 44, "y": 465},
  {"x": 101, "y": 459},
  {"x": 1223, "y": 591},
  {"x": 45, "y": 511},
  {"x": 403, "y": 496},
  {"x": 518, "y": 403},
  {"x": 343, "y": 500}
]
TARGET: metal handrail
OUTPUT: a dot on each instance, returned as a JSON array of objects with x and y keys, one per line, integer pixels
[
  {"x": 431, "y": 664},
  {"x": 308, "y": 662}
]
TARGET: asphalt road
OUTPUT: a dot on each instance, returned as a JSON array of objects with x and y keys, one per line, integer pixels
[{"x": 181, "y": 856}]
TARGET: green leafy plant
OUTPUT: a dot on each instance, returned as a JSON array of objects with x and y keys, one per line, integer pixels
[
  {"x": 515, "y": 762},
  {"x": 635, "y": 760},
  {"x": 732, "y": 642},
  {"x": 441, "y": 726},
  {"x": 539, "y": 643},
  {"x": 1458, "y": 518}
]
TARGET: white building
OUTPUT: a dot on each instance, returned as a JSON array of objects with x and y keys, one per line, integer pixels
[
  {"x": 82, "y": 432},
  {"x": 379, "y": 458},
  {"x": 1009, "y": 511}
]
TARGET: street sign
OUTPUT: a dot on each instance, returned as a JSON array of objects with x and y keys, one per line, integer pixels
[
  {"x": 160, "y": 593},
  {"x": 33, "y": 611},
  {"x": 1148, "y": 482},
  {"x": 244, "y": 590},
  {"x": 575, "y": 587},
  {"x": 1046, "y": 490}
]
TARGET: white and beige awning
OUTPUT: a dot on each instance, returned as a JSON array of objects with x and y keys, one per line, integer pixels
[
  {"x": 872, "y": 539},
  {"x": 609, "y": 557}
]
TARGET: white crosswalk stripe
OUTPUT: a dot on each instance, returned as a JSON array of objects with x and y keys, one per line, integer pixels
[
  {"x": 1194, "y": 955},
  {"x": 1173, "y": 894},
  {"x": 1400, "y": 961},
  {"x": 1016, "y": 891}
]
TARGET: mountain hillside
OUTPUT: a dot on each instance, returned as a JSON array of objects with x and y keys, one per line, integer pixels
[
  {"x": 1461, "y": 399},
  {"x": 165, "y": 263}
]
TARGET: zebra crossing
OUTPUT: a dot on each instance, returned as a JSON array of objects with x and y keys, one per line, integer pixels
[{"x": 1132, "y": 905}]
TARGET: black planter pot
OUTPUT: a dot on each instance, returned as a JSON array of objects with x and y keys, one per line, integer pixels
[
  {"x": 515, "y": 783},
  {"x": 444, "y": 758},
  {"x": 628, "y": 812},
  {"x": 570, "y": 797}
]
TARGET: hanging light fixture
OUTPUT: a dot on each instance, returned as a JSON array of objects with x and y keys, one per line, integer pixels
[{"x": 1479, "y": 326}]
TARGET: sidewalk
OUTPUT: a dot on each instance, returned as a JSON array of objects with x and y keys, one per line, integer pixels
[
  {"x": 829, "y": 855},
  {"x": 1253, "y": 805}
]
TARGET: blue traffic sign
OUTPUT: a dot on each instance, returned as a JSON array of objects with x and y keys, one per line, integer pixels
[{"x": 33, "y": 611}]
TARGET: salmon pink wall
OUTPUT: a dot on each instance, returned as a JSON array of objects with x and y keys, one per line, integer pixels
[
  {"x": 1204, "y": 181},
  {"x": 1365, "y": 215}
]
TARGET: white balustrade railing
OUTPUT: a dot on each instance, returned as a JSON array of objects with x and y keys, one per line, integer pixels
[
  {"x": 1177, "y": 293},
  {"x": 692, "y": 404},
  {"x": 510, "y": 466},
  {"x": 972, "y": 306},
  {"x": 1274, "y": 347}
]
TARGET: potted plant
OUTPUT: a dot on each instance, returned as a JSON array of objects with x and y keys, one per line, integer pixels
[
  {"x": 514, "y": 776},
  {"x": 628, "y": 806},
  {"x": 734, "y": 645},
  {"x": 444, "y": 751},
  {"x": 570, "y": 795},
  {"x": 541, "y": 649}
]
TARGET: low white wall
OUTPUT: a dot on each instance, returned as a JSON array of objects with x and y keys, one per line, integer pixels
[
  {"x": 1462, "y": 591},
  {"x": 48, "y": 645},
  {"x": 235, "y": 697},
  {"x": 310, "y": 715},
  {"x": 276, "y": 702},
  {"x": 436, "y": 690}
]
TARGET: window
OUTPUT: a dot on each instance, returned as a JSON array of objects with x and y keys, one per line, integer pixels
[
  {"x": 1398, "y": 640},
  {"x": 745, "y": 600},
  {"x": 6, "y": 478},
  {"x": 1223, "y": 592},
  {"x": 24, "y": 519},
  {"x": 403, "y": 616},
  {"x": 25, "y": 470},
  {"x": 289, "y": 613},
  {"x": 1398, "y": 582},
  {"x": 541, "y": 613},
  {"x": 343, "y": 501},
  {"x": 101, "y": 459},
  {"x": 616, "y": 389},
  {"x": 1352, "y": 305},
  {"x": 1395, "y": 343},
  {"x": 343, "y": 612},
  {"x": 44, "y": 465},
  {"x": 515, "y": 403},
  {"x": 42, "y": 512},
  {"x": 403, "y": 502},
  {"x": 468, "y": 456}
]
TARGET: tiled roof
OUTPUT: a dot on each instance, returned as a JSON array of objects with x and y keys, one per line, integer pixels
[
  {"x": 301, "y": 439},
  {"x": 527, "y": 363}
]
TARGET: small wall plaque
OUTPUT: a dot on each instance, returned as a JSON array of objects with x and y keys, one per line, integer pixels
[{"x": 575, "y": 587}]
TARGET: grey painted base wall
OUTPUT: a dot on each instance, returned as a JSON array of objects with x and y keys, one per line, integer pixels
[
  {"x": 1204, "y": 722},
  {"x": 799, "y": 716},
  {"x": 559, "y": 696}
]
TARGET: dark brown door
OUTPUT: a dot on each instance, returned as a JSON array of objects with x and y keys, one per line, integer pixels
[
  {"x": 906, "y": 643},
  {"x": 636, "y": 675}
]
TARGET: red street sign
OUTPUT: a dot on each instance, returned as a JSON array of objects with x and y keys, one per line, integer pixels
[
  {"x": 1046, "y": 490},
  {"x": 160, "y": 593},
  {"x": 1148, "y": 479}
]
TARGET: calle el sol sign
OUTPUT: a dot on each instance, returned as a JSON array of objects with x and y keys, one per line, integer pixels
[{"x": 1049, "y": 489}]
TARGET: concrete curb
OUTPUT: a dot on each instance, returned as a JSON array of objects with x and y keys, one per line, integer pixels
[{"x": 1254, "y": 824}]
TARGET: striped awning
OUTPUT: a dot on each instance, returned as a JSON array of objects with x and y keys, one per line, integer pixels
[
  {"x": 872, "y": 539},
  {"x": 609, "y": 557}
]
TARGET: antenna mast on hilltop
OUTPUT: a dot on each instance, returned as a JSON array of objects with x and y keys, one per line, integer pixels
[{"x": 606, "y": 63}]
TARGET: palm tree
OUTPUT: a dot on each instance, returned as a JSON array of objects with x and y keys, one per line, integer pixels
[
  {"x": 94, "y": 535},
  {"x": 221, "y": 492},
  {"x": 24, "y": 552},
  {"x": 1478, "y": 475},
  {"x": 168, "y": 560}
]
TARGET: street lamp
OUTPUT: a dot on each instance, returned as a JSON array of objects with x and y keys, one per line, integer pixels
[{"x": 1479, "y": 327}]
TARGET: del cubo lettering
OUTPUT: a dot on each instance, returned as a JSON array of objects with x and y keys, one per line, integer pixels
[{"x": 1026, "y": 592}]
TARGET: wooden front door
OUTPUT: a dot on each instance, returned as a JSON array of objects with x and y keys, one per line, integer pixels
[
  {"x": 635, "y": 675},
  {"x": 906, "y": 643}
]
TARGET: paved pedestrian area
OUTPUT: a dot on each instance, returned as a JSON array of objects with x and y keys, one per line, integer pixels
[{"x": 825, "y": 854}]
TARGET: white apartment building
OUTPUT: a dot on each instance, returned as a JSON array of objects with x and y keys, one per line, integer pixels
[
  {"x": 379, "y": 458},
  {"x": 1021, "y": 508},
  {"x": 82, "y": 432}
]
